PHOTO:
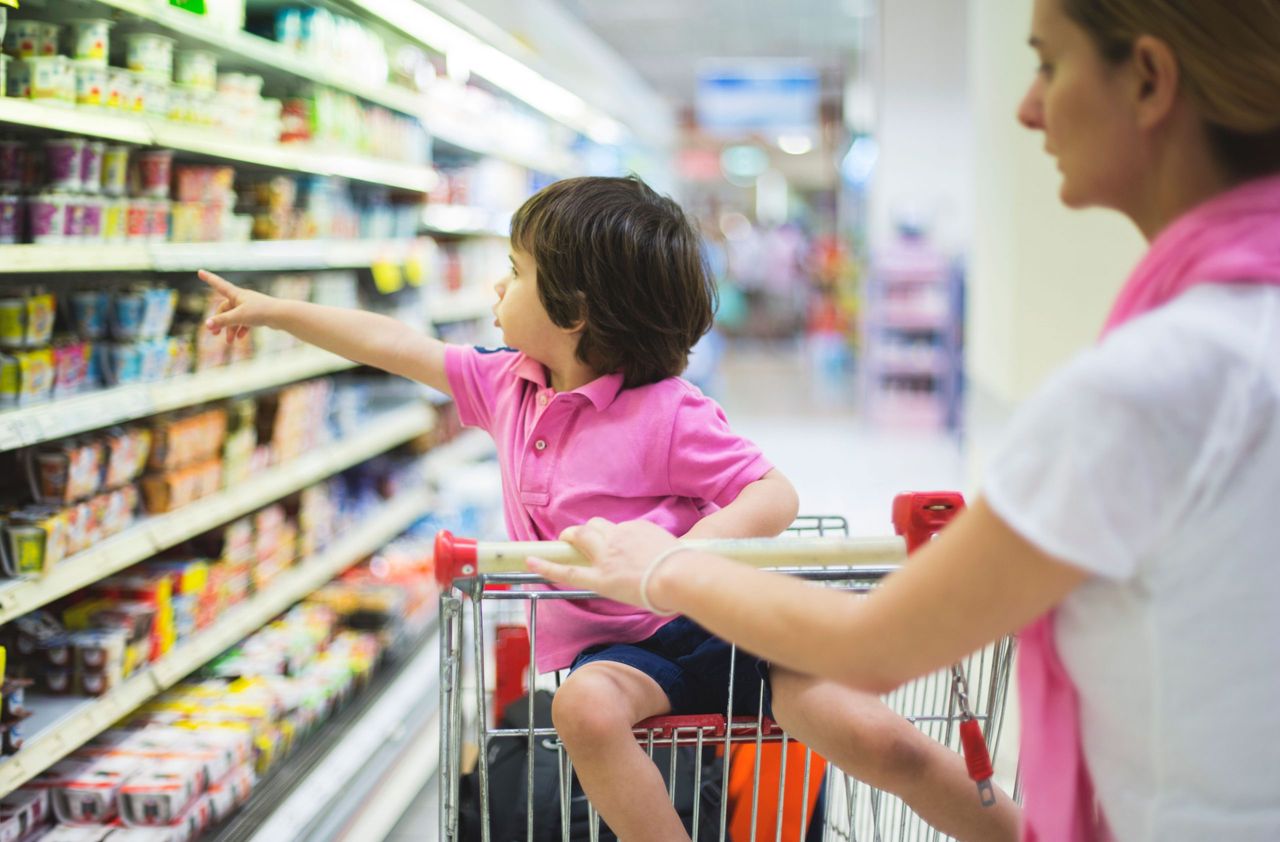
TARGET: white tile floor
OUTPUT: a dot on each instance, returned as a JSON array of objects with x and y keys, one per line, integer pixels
[{"x": 812, "y": 433}]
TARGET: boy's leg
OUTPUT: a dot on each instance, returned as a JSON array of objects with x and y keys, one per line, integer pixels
[
  {"x": 860, "y": 733},
  {"x": 593, "y": 712}
]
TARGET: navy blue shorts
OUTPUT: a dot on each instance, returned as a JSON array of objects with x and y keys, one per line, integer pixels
[{"x": 691, "y": 665}]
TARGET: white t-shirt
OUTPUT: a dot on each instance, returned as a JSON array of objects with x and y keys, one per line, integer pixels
[{"x": 1153, "y": 461}]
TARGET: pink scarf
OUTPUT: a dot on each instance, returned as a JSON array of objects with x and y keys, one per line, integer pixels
[{"x": 1232, "y": 238}]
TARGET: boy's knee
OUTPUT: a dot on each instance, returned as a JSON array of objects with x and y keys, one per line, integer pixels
[{"x": 583, "y": 712}]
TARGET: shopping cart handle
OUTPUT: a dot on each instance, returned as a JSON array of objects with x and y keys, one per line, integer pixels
[
  {"x": 920, "y": 515},
  {"x": 463, "y": 558}
]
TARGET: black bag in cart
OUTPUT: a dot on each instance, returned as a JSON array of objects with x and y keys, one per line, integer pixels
[{"x": 509, "y": 779}]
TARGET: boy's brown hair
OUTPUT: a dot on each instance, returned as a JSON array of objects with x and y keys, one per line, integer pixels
[{"x": 625, "y": 263}]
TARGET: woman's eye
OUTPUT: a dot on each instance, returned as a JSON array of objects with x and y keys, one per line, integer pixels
[{"x": 1045, "y": 70}]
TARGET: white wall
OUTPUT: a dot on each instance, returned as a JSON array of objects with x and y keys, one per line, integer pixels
[{"x": 923, "y": 120}]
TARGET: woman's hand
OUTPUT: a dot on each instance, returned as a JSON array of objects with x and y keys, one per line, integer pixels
[
  {"x": 619, "y": 554},
  {"x": 239, "y": 309}
]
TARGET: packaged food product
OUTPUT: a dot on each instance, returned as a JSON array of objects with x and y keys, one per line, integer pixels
[
  {"x": 119, "y": 92},
  {"x": 63, "y": 163},
  {"x": 158, "y": 220},
  {"x": 90, "y": 792},
  {"x": 22, "y": 38},
  {"x": 136, "y": 216},
  {"x": 73, "y": 227},
  {"x": 4, "y": 73},
  {"x": 10, "y": 218},
  {"x": 52, "y": 78},
  {"x": 46, "y": 218},
  {"x": 150, "y": 54},
  {"x": 47, "y": 42},
  {"x": 91, "y": 83},
  {"x": 92, "y": 229},
  {"x": 91, "y": 40},
  {"x": 196, "y": 69},
  {"x": 161, "y": 793},
  {"x": 91, "y": 161},
  {"x": 12, "y": 157},
  {"x": 155, "y": 167},
  {"x": 114, "y": 220},
  {"x": 17, "y": 83},
  {"x": 115, "y": 170},
  {"x": 71, "y": 368},
  {"x": 35, "y": 371}
]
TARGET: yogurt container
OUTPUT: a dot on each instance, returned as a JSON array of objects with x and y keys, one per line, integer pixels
[
  {"x": 47, "y": 217},
  {"x": 12, "y": 162},
  {"x": 89, "y": 312},
  {"x": 91, "y": 40},
  {"x": 91, "y": 83},
  {"x": 136, "y": 217},
  {"x": 47, "y": 40},
  {"x": 196, "y": 69},
  {"x": 22, "y": 38},
  {"x": 114, "y": 220},
  {"x": 115, "y": 170},
  {"x": 63, "y": 163},
  {"x": 91, "y": 230},
  {"x": 18, "y": 79},
  {"x": 50, "y": 76},
  {"x": 150, "y": 54},
  {"x": 155, "y": 167},
  {"x": 158, "y": 220},
  {"x": 4, "y": 71},
  {"x": 10, "y": 218},
  {"x": 91, "y": 166},
  {"x": 119, "y": 91},
  {"x": 73, "y": 227}
]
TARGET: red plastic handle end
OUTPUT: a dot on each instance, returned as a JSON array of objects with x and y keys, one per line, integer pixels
[
  {"x": 976, "y": 756},
  {"x": 455, "y": 558},
  {"x": 919, "y": 515}
]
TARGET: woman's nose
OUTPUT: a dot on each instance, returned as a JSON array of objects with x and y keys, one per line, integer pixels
[{"x": 1031, "y": 109}]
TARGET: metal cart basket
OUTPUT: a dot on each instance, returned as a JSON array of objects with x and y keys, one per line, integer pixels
[{"x": 958, "y": 707}]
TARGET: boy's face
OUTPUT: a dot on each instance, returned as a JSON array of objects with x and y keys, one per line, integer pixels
[{"x": 524, "y": 321}]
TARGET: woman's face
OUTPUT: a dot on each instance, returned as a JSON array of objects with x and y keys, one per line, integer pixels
[{"x": 1082, "y": 104}]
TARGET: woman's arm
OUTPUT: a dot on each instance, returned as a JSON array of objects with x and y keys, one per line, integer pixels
[
  {"x": 978, "y": 581},
  {"x": 366, "y": 338},
  {"x": 761, "y": 510}
]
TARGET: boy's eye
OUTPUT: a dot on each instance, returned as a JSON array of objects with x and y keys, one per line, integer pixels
[{"x": 1045, "y": 69}]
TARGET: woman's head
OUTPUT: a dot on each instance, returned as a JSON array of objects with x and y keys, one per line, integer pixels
[
  {"x": 1117, "y": 74},
  {"x": 623, "y": 266}
]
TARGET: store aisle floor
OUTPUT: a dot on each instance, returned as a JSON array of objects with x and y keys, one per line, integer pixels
[{"x": 809, "y": 428}]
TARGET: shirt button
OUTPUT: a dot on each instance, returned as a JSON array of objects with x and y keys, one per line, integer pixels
[
  {"x": 542, "y": 400},
  {"x": 539, "y": 445}
]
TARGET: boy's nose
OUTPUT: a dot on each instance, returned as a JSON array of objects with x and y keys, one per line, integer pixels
[{"x": 500, "y": 287}]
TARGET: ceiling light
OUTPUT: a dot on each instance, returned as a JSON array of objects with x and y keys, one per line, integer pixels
[{"x": 795, "y": 144}]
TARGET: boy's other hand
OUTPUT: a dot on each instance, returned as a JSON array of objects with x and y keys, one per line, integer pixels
[{"x": 239, "y": 308}]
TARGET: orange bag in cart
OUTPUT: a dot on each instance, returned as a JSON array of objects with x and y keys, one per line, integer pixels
[{"x": 795, "y": 812}]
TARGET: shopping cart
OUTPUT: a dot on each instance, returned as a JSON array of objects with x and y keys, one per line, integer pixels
[{"x": 961, "y": 707}]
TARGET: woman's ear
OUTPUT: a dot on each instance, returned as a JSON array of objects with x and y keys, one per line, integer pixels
[{"x": 1158, "y": 79}]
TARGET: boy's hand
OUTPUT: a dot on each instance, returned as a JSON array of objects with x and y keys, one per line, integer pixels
[{"x": 239, "y": 309}]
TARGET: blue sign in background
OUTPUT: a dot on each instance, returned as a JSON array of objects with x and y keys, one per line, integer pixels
[{"x": 757, "y": 96}]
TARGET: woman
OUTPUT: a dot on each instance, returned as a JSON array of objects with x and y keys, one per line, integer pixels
[{"x": 1124, "y": 525}]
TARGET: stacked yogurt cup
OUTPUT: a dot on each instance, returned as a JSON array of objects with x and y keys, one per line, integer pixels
[{"x": 73, "y": 190}]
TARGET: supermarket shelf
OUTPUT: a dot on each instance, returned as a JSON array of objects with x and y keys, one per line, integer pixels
[
  {"x": 461, "y": 306},
  {"x": 393, "y": 745},
  {"x": 158, "y": 533},
  {"x": 268, "y": 56},
  {"x": 56, "y": 419},
  {"x": 203, "y": 141},
  {"x": 463, "y": 221},
  {"x": 300, "y": 158},
  {"x": 67, "y": 118},
  {"x": 465, "y": 448},
  {"x": 256, "y": 255},
  {"x": 79, "y": 258},
  {"x": 63, "y": 725}
]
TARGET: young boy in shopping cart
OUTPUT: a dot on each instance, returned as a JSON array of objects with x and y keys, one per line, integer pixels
[{"x": 607, "y": 294}]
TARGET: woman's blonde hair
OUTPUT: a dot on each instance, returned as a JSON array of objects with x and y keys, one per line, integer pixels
[{"x": 1229, "y": 54}]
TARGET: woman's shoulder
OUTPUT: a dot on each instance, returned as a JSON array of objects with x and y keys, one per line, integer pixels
[{"x": 1212, "y": 337}]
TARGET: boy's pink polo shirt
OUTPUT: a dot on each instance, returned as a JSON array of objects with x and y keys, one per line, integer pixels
[{"x": 662, "y": 452}]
